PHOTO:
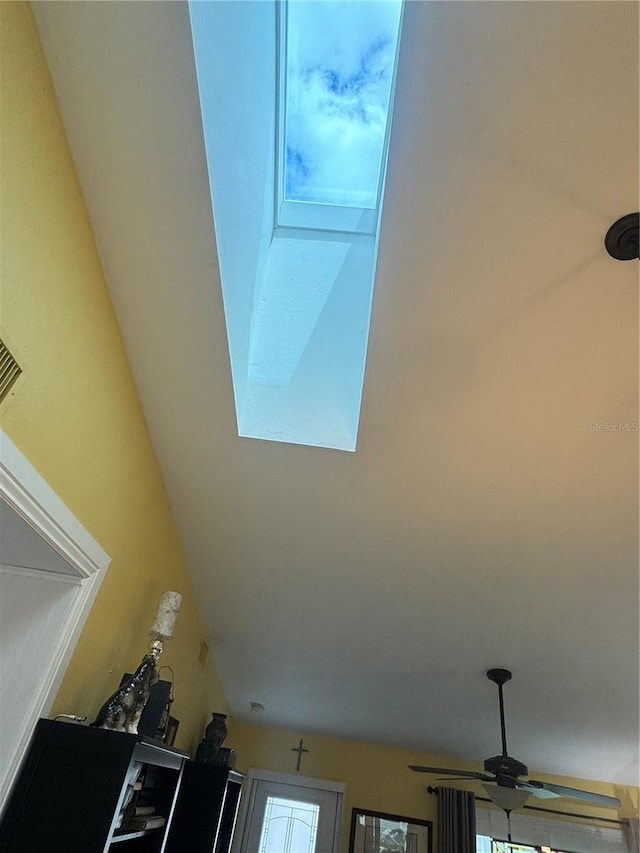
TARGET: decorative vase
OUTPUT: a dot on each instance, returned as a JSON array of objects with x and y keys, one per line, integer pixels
[{"x": 216, "y": 731}]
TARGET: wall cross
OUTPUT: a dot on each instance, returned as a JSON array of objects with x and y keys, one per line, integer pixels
[{"x": 299, "y": 749}]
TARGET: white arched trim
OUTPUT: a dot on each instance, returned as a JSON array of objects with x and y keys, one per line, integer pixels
[{"x": 77, "y": 561}]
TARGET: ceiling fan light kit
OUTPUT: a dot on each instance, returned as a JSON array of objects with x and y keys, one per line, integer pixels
[
  {"x": 508, "y": 799},
  {"x": 506, "y": 787}
]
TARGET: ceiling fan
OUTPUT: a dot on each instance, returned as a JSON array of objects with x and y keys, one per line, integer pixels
[{"x": 503, "y": 775}]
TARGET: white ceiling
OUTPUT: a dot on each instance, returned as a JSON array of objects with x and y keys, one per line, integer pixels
[{"x": 481, "y": 522}]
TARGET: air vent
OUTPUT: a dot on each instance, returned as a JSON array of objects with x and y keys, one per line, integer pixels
[{"x": 10, "y": 370}]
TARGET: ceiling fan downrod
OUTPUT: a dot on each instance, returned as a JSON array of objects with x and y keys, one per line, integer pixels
[{"x": 500, "y": 677}]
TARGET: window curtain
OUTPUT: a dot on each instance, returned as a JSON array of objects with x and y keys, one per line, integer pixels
[
  {"x": 632, "y": 831},
  {"x": 456, "y": 821}
]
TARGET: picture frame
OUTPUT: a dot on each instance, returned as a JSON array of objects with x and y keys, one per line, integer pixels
[
  {"x": 172, "y": 729},
  {"x": 383, "y": 832}
]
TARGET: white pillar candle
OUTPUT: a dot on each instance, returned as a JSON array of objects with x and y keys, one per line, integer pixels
[{"x": 167, "y": 614}]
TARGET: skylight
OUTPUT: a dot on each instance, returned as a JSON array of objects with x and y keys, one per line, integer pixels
[
  {"x": 296, "y": 102},
  {"x": 339, "y": 59}
]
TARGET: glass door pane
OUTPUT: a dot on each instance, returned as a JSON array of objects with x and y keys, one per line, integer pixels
[{"x": 289, "y": 826}]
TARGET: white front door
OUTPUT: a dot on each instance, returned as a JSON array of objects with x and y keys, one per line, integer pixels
[{"x": 290, "y": 814}]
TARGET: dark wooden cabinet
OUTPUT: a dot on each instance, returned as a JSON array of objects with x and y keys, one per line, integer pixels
[
  {"x": 206, "y": 810},
  {"x": 79, "y": 788}
]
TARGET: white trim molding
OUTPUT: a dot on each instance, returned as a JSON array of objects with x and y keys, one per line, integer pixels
[
  {"x": 31, "y": 497},
  {"x": 27, "y": 493},
  {"x": 295, "y": 779}
]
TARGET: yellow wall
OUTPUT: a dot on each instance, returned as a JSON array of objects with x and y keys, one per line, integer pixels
[
  {"x": 377, "y": 777},
  {"x": 76, "y": 416}
]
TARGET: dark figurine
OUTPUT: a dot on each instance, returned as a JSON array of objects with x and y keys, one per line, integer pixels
[{"x": 122, "y": 711}]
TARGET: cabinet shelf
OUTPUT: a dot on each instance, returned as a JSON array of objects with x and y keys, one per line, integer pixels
[{"x": 127, "y": 836}]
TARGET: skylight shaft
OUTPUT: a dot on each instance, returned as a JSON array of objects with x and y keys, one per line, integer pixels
[
  {"x": 297, "y": 211},
  {"x": 337, "y": 70}
]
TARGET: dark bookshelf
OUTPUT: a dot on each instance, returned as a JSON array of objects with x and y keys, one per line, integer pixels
[
  {"x": 206, "y": 809},
  {"x": 74, "y": 784}
]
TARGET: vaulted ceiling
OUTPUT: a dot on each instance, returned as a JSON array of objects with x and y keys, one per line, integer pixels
[{"x": 489, "y": 514}]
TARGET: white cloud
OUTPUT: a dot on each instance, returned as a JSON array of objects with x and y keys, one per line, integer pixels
[{"x": 340, "y": 58}]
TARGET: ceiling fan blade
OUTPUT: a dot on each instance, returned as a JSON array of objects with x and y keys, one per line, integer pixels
[
  {"x": 479, "y": 776},
  {"x": 562, "y": 791},
  {"x": 462, "y": 774}
]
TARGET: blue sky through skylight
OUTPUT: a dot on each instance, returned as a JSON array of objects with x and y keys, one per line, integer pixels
[{"x": 339, "y": 73}]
